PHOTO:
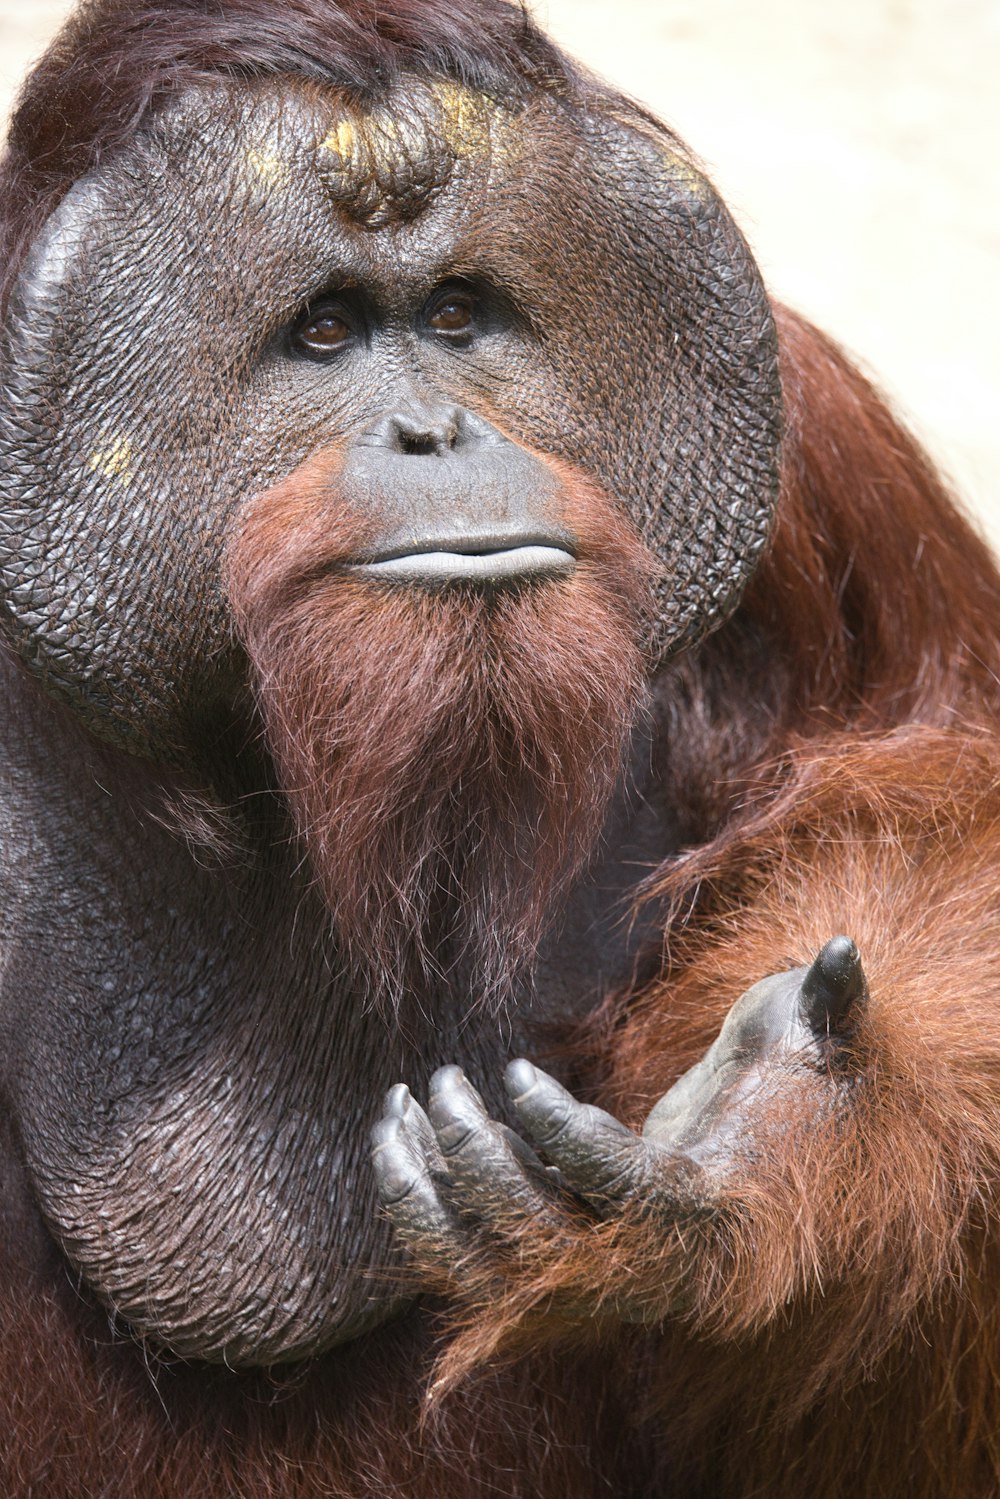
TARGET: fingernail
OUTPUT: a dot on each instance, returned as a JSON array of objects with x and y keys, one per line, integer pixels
[
  {"x": 398, "y": 1100},
  {"x": 519, "y": 1078}
]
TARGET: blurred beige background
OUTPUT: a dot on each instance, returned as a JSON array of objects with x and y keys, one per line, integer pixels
[{"x": 859, "y": 146}]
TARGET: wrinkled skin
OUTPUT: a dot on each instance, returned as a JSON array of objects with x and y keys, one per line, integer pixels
[{"x": 191, "y": 1070}]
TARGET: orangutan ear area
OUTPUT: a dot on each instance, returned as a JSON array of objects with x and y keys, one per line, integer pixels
[{"x": 501, "y": 936}]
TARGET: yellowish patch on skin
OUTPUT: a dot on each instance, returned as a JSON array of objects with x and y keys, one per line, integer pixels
[
  {"x": 688, "y": 176},
  {"x": 474, "y": 126},
  {"x": 267, "y": 166},
  {"x": 340, "y": 140},
  {"x": 471, "y": 126},
  {"x": 465, "y": 122},
  {"x": 380, "y": 152},
  {"x": 114, "y": 462}
]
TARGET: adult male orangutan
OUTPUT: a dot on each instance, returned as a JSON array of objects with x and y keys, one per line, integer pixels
[{"x": 454, "y": 623}]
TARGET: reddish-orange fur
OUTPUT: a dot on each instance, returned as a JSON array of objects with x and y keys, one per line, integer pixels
[
  {"x": 85, "y": 1417},
  {"x": 435, "y": 748},
  {"x": 833, "y": 752}
]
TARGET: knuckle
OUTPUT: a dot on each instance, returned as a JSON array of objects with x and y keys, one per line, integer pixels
[
  {"x": 397, "y": 1183},
  {"x": 457, "y": 1135}
]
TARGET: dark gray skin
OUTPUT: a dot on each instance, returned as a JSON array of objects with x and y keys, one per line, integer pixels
[{"x": 190, "y": 1081}]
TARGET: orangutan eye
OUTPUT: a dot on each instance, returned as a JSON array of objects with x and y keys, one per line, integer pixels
[
  {"x": 454, "y": 313},
  {"x": 322, "y": 330}
]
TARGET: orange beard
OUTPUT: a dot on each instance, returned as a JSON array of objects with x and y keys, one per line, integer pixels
[{"x": 448, "y": 754}]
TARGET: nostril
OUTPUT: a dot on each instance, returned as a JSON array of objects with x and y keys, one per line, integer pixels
[
  {"x": 424, "y": 444},
  {"x": 428, "y": 431}
]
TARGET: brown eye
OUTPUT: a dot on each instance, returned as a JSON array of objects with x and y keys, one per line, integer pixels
[
  {"x": 453, "y": 315},
  {"x": 322, "y": 332}
]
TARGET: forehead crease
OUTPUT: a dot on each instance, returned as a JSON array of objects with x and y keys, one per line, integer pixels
[{"x": 387, "y": 163}]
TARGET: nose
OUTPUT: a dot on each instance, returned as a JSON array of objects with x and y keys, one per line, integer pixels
[{"x": 420, "y": 430}]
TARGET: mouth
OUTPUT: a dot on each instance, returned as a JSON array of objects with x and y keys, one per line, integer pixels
[{"x": 484, "y": 559}]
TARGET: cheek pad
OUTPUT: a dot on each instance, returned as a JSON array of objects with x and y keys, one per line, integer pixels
[
  {"x": 682, "y": 348},
  {"x": 654, "y": 362},
  {"x": 129, "y": 432}
]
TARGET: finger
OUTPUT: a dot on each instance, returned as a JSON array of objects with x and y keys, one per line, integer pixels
[
  {"x": 598, "y": 1157},
  {"x": 494, "y": 1174},
  {"x": 530, "y": 1159},
  {"x": 400, "y": 1103},
  {"x": 406, "y": 1186},
  {"x": 834, "y": 991}
]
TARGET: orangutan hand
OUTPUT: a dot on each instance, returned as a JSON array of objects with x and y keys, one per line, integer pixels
[{"x": 455, "y": 1182}]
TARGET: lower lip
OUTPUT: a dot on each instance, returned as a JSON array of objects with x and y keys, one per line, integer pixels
[{"x": 486, "y": 567}]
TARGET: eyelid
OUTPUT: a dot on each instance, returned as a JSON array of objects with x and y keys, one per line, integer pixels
[
  {"x": 319, "y": 310},
  {"x": 334, "y": 306},
  {"x": 456, "y": 292},
  {"x": 346, "y": 300},
  {"x": 446, "y": 294}
]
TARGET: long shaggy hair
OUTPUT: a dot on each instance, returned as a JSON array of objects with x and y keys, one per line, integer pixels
[{"x": 448, "y": 754}]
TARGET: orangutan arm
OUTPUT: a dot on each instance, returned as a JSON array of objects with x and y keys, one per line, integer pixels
[{"x": 832, "y": 1148}]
